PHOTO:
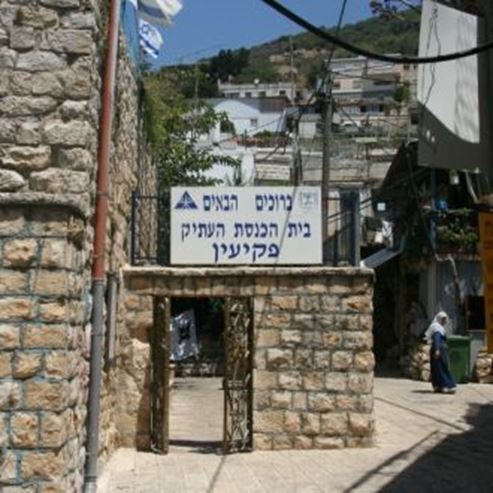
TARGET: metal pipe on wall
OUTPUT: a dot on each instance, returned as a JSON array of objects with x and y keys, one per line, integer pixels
[{"x": 98, "y": 266}]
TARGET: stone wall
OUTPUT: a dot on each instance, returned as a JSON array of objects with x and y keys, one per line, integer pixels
[
  {"x": 313, "y": 375},
  {"x": 43, "y": 371},
  {"x": 50, "y": 89}
]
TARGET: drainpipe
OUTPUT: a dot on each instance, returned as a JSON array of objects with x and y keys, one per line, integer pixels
[{"x": 98, "y": 266}]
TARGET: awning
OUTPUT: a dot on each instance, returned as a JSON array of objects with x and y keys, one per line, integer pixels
[{"x": 379, "y": 258}]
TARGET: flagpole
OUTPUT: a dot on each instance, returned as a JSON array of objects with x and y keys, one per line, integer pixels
[{"x": 98, "y": 266}]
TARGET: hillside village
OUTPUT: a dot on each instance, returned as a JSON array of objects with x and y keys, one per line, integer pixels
[{"x": 269, "y": 269}]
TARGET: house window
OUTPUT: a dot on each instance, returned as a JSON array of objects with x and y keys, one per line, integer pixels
[
  {"x": 254, "y": 122},
  {"x": 356, "y": 84},
  {"x": 248, "y": 94},
  {"x": 363, "y": 109},
  {"x": 282, "y": 93},
  {"x": 337, "y": 84},
  {"x": 475, "y": 313},
  {"x": 262, "y": 94}
]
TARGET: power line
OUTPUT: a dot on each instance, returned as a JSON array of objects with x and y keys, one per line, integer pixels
[{"x": 326, "y": 36}]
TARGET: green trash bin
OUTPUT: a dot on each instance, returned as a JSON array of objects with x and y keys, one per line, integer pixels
[{"x": 459, "y": 355}]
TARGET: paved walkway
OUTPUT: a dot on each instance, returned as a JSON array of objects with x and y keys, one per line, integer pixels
[{"x": 425, "y": 443}]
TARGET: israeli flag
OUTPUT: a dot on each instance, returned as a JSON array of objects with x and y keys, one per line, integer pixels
[
  {"x": 150, "y": 39},
  {"x": 158, "y": 12}
]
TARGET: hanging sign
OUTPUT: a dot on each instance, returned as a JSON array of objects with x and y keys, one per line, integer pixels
[
  {"x": 486, "y": 249},
  {"x": 246, "y": 226}
]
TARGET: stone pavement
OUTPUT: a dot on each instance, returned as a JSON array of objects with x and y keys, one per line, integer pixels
[{"x": 425, "y": 443}]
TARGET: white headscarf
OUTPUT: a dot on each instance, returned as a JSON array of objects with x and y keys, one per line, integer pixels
[{"x": 436, "y": 326}]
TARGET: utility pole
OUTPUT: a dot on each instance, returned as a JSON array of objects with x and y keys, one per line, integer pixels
[{"x": 327, "y": 110}]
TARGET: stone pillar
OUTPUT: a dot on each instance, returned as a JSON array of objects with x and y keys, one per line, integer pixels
[{"x": 43, "y": 372}]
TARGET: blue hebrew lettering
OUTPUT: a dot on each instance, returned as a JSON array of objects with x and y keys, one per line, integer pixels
[
  {"x": 207, "y": 202},
  {"x": 273, "y": 230},
  {"x": 238, "y": 230},
  {"x": 259, "y": 202},
  {"x": 220, "y": 226},
  {"x": 307, "y": 233},
  {"x": 235, "y": 250},
  {"x": 249, "y": 230},
  {"x": 185, "y": 231},
  {"x": 259, "y": 250},
  {"x": 292, "y": 231},
  {"x": 273, "y": 250}
]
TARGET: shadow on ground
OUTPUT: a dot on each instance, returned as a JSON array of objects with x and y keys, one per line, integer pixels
[{"x": 460, "y": 463}]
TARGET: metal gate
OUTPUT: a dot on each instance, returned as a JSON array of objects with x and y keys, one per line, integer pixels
[
  {"x": 160, "y": 356},
  {"x": 238, "y": 383}
]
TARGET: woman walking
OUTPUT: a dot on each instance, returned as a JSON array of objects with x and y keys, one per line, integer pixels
[{"x": 441, "y": 378}]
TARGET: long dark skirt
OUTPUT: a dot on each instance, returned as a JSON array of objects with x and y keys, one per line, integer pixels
[{"x": 441, "y": 377}]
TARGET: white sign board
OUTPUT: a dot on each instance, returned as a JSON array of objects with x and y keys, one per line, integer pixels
[{"x": 246, "y": 226}]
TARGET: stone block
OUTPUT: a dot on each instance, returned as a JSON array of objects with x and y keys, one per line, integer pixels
[
  {"x": 74, "y": 110},
  {"x": 50, "y": 283},
  {"x": 310, "y": 423},
  {"x": 292, "y": 423},
  {"x": 271, "y": 320},
  {"x": 16, "y": 309},
  {"x": 73, "y": 133},
  {"x": 78, "y": 20},
  {"x": 7, "y": 58},
  {"x": 361, "y": 424},
  {"x": 10, "y": 181},
  {"x": 12, "y": 222},
  {"x": 75, "y": 158},
  {"x": 326, "y": 443},
  {"x": 336, "y": 382},
  {"x": 5, "y": 366},
  {"x": 40, "y": 61},
  {"x": 27, "y": 158},
  {"x": 21, "y": 83},
  {"x": 53, "y": 311},
  {"x": 46, "y": 395},
  {"x": 46, "y": 83},
  {"x": 342, "y": 360},
  {"x": 334, "y": 424},
  {"x": 314, "y": 380},
  {"x": 12, "y": 282},
  {"x": 19, "y": 253},
  {"x": 42, "y": 465},
  {"x": 300, "y": 401},
  {"x": 366, "y": 322},
  {"x": 290, "y": 380},
  {"x": 24, "y": 430},
  {"x": 329, "y": 303},
  {"x": 358, "y": 340},
  {"x": 56, "y": 254},
  {"x": 267, "y": 338},
  {"x": 22, "y": 38},
  {"x": 60, "y": 364},
  {"x": 365, "y": 403},
  {"x": 260, "y": 359},
  {"x": 303, "y": 322},
  {"x": 262, "y": 441},
  {"x": 309, "y": 304},
  {"x": 268, "y": 421},
  {"x": 283, "y": 303},
  {"x": 302, "y": 442},
  {"x": 303, "y": 359},
  {"x": 9, "y": 336},
  {"x": 346, "y": 322},
  {"x": 359, "y": 304},
  {"x": 290, "y": 337},
  {"x": 282, "y": 442},
  {"x": 321, "y": 359},
  {"x": 46, "y": 337},
  {"x": 263, "y": 380},
  {"x": 77, "y": 82},
  {"x": 54, "y": 429},
  {"x": 347, "y": 402},
  {"x": 360, "y": 383},
  {"x": 8, "y": 469},
  {"x": 265, "y": 285},
  {"x": 321, "y": 402},
  {"x": 26, "y": 106},
  {"x": 7, "y": 130},
  {"x": 10, "y": 395},
  {"x": 279, "y": 358},
  {"x": 56, "y": 180},
  {"x": 74, "y": 41},
  {"x": 28, "y": 133},
  {"x": 37, "y": 17},
  {"x": 364, "y": 362},
  {"x": 261, "y": 400},
  {"x": 332, "y": 340},
  {"x": 312, "y": 339},
  {"x": 281, "y": 400},
  {"x": 26, "y": 364}
]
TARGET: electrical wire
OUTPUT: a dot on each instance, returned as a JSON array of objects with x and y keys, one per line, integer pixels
[{"x": 326, "y": 36}]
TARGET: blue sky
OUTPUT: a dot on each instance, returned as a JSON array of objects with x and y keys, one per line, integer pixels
[{"x": 206, "y": 26}]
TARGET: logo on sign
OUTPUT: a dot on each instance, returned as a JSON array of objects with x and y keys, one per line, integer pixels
[
  {"x": 186, "y": 202},
  {"x": 308, "y": 200}
]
